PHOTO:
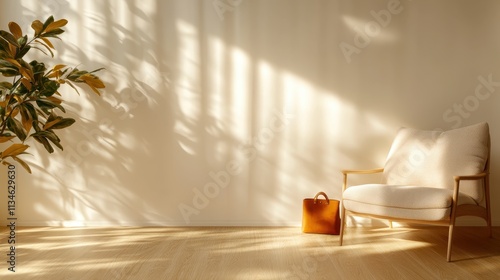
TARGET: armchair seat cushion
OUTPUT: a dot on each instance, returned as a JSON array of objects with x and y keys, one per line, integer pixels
[{"x": 402, "y": 201}]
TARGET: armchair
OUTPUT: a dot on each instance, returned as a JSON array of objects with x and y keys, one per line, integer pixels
[{"x": 430, "y": 177}]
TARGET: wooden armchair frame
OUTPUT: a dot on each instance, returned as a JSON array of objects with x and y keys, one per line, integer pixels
[{"x": 456, "y": 210}]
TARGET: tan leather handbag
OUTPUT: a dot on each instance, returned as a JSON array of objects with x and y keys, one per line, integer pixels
[{"x": 320, "y": 215}]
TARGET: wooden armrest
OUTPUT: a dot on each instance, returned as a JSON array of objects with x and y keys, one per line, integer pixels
[
  {"x": 352, "y": 171},
  {"x": 365, "y": 171},
  {"x": 470, "y": 177},
  {"x": 480, "y": 176}
]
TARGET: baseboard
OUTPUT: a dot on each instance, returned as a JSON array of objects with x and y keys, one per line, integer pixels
[
  {"x": 352, "y": 222},
  {"x": 157, "y": 224}
]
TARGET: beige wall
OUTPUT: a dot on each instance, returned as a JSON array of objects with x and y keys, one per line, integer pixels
[{"x": 233, "y": 111}]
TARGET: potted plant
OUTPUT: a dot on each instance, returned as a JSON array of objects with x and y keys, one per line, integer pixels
[{"x": 31, "y": 103}]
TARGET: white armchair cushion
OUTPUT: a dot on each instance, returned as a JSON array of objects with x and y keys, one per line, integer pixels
[
  {"x": 402, "y": 201},
  {"x": 431, "y": 158}
]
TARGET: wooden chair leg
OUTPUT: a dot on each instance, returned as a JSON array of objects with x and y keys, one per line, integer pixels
[
  {"x": 488, "y": 206},
  {"x": 452, "y": 218},
  {"x": 490, "y": 228},
  {"x": 342, "y": 223},
  {"x": 450, "y": 240},
  {"x": 390, "y": 224}
]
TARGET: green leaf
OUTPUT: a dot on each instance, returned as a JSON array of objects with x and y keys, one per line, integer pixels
[
  {"x": 4, "y": 54},
  {"x": 56, "y": 141},
  {"x": 65, "y": 122},
  {"x": 9, "y": 72},
  {"x": 9, "y": 38},
  {"x": 45, "y": 143},
  {"x": 5, "y": 85},
  {"x": 41, "y": 112},
  {"x": 52, "y": 117},
  {"x": 75, "y": 74},
  {"x": 46, "y": 134},
  {"x": 49, "y": 135},
  {"x": 16, "y": 127},
  {"x": 5, "y": 63},
  {"x": 46, "y": 105},
  {"x": 97, "y": 70},
  {"x": 31, "y": 110},
  {"x": 23, "y": 51},
  {"x": 49, "y": 88},
  {"x": 38, "y": 68},
  {"x": 4, "y": 46},
  {"x": 22, "y": 40},
  {"x": 8, "y": 69},
  {"x": 53, "y": 33},
  {"x": 48, "y": 21}
]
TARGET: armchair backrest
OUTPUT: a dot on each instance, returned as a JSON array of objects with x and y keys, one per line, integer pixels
[{"x": 432, "y": 158}]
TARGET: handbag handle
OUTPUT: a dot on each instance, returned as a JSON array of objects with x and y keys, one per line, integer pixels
[{"x": 323, "y": 194}]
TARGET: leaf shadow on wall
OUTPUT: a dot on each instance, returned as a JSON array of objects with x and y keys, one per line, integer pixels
[{"x": 189, "y": 94}]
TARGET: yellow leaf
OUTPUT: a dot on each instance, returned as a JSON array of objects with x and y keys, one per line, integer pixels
[
  {"x": 42, "y": 42},
  {"x": 15, "y": 29},
  {"x": 56, "y": 24},
  {"x": 15, "y": 112},
  {"x": 58, "y": 67},
  {"x": 95, "y": 90},
  {"x": 54, "y": 74},
  {"x": 14, "y": 150},
  {"x": 54, "y": 99},
  {"x": 4, "y": 103},
  {"x": 26, "y": 119},
  {"x": 12, "y": 50},
  {"x": 26, "y": 83},
  {"x": 18, "y": 98},
  {"x": 14, "y": 62},
  {"x": 27, "y": 125},
  {"x": 37, "y": 26},
  {"x": 47, "y": 41},
  {"x": 92, "y": 81},
  {"x": 26, "y": 73},
  {"x": 23, "y": 164},
  {"x": 50, "y": 124},
  {"x": 4, "y": 139}
]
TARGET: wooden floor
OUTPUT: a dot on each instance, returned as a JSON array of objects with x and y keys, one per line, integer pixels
[{"x": 249, "y": 253}]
